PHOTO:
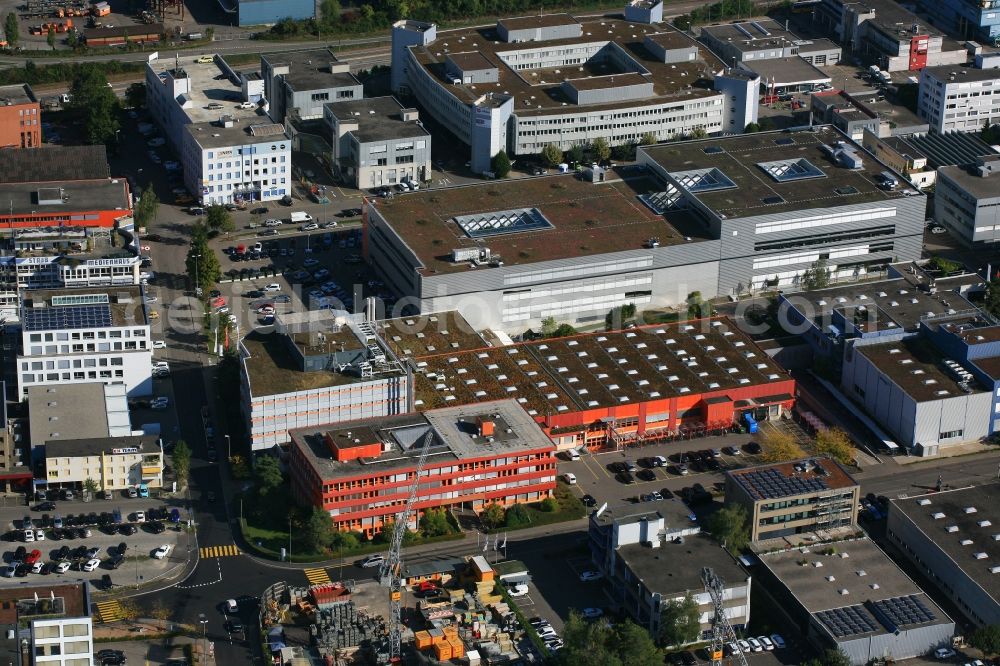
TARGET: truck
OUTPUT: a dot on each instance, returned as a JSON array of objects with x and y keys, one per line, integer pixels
[{"x": 300, "y": 216}]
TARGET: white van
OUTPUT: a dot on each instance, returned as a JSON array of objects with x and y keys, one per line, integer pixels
[
  {"x": 573, "y": 454},
  {"x": 569, "y": 478},
  {"x": 300, "y": 216}
]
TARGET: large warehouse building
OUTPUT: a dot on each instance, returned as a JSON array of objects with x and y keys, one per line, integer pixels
[
  {"x": 554, "y": 79},
  {"x": 362, "y": 471},
  {"x": 849, "y": 596},
  {"x": 951, "y": 537},
  {"x": 757, "y": 212}
]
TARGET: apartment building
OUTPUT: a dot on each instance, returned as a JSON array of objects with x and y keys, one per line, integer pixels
[
  {"x": 883, "y": 32},
  {"x": 230, "y": 150},
  {"x": 794, "y": 497},
  {"x": 967, "y": 200},
  {"x": 361, "y": 472},
  {"x": 555, "y": 79},
  {"x": 114, "y": 463},
  {"x": 376, "y": 142},
  {"x": 959, "y": 98},
  {"x": 95, "y": 334},
  {"x": 301, "y": 83},
  {"x": 629, "y": 546},
  {"x": 20, "y": 117}
]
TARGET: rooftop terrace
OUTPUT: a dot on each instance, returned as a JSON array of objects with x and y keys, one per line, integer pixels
[
  {"x": 754, "y": 191},
  {"x": 209, "y": 84},
  {"x": 586, "y": 219},
  {"x": 599, "y": 370},
  {"x": 537, "y": 91},
  {"x": 453, "y": 432},
  {"x": 918, "y": 368},
  {"x": 964, "y": 524}
]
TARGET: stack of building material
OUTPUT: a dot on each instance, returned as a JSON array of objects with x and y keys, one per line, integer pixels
[
  {"x": 442, "y": 650},
  {"x": 422, "y": 640},
  {"x": 339, "y": 626}
]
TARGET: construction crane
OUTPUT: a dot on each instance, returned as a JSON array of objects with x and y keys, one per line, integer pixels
[
  {"x": 722, "y": 631},
  {"x": 391, "y": 571}
]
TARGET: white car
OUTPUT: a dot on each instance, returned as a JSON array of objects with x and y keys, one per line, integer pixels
[
  {"x": 159, "y": 344},
  {"x": 755, "y": 645},
  {"x": 592, "y": 613},
  {"x": 272, "y": 223},
  {"x": 372, "y": 561},
  {"x": 744, "y": 646},
  {"x": 733, "y": 648},
  {"x": 62, "y": 567},
  {"x": 246, "y": 105},
  {"x": 162, "y": 551},
  {"x": 36, "y": 568},
  {"x": 938, "y": 230},
  {"x": 29, "y": 536},
  {"x": 312, "y": 226},
  {"x": 161, "y": 365},
  {"x": 569, "y": 478},
  {"x": 231, "y": 606},
  {"x": 766, "y": 643},
  {"x": 39, "y": 535},
  {"x": 140, "y": 516},
  {"x": 588, "y": 576},
  {"x": 518, "y": 590},
  {"x": 274, "y": 286},
  {"x": 90, "y": 565},
  {"x": 546, "y": 632}
]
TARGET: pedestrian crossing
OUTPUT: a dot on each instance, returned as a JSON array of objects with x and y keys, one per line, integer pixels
[
  {"x": 317, "y": 576},
  {"x": 109, "y": 611},
  {"x": 219, "y": 551}
]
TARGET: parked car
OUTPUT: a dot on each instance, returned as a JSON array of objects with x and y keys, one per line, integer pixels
[
  {"x": 372, "y": 561},
  {"x": 162, "y": 551}
]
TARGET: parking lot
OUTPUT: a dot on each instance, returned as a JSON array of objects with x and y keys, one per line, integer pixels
[{"x": 89, "y": 532}]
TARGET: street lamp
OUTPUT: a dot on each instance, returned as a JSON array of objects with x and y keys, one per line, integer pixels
[
  {"x": 197, "y": 283},
  {"x": 229, "y": 453},
  {"x": 289, "y": 538},
  {"x": 203, "y": 621}
]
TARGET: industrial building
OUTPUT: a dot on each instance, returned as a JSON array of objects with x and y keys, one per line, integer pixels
[
  {"x": 959, "y": 98},
  {"x": 765, "y": 39},
  {"x": 362, "y": 471},
  {"x": 654, "y": 554},
  {"x": 951, "y": 537},
  {"x": 855, "y": 112},
  {"x": 758, "y": 211},
  {"x": 377, "y": 143},
  {"x": 266, "y": 12},
  {"x": 113, "y": 463},
  {"x": 20, "y": 117},
  {"x": 54, "y": 164},
  {"x": 298, "y": 84},
  {"x": 615, "y": 389},
  {"x": 849, "y": 596},
  {"x": 124, "y": 34},
  {"x": 78, "y": 410},
  {"x": 886, "y": 34},
  {"x": 902, "y": 156},
  {"x": 316, "y": 370},
  {"x": 554, "y": 79},
  {"x": 967, "y": 200},
  {"x": 794, "y": 497},
  {"x": 63, "y": 206},
  {"x": 229, "y": 149},
  {"x": 96, "y": 334}
]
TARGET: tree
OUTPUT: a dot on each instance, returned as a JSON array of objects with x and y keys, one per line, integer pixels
[
  {"x": 990, "y": 133},
  {"x": 50, "y": 38},
  {"x": 551, "y": 155},
  {"x": 634, "y": 645},
  {"x": 835, "y": 443},
  {"x": 11, "y": 29},
  {"x": 434, "y": 523},
  {"x": 817, "y": 276},
  {"x": 329, "y": 12},
  {"x": 219, "y": 219},
  {"x": 549, "y": 326},
  {"x": 135, "y": 95},
  {"x": 618, "y": 316},
  {"x": 317, "y": 534},
  {"x": 647, "y": 139},
  {"x": 95, "y": 101},
  {"x": 601, "y": 148},
  {"x": 680, "y": 622},
  {"x": 146, "y": 207},
  {"x": 182, "y": 462},
  {"x": 698, "y": 308},
  {"x": 698, "y": 133},
  {"x": 992, "y": 300},
  {"x": 500, "y": 164},
  {"x": 945, "y": 266},
  {"x": 90, "y": 486},
  {"x": 492, "y": 515},
  {"x": 562, "y": 330},
  {"x": 202, "y": 265},
  {"x": 751, "y": 128},
  {"x": 779, "y": 446},
  {"x": 517, "y": 516},
  {"x": 829, "y": 658},
  {"x": 267, "y": 470},
  {"x": 986, "y": 638},
  {"x": 72, "y": 39},
  {"x": 548, "y": 504},
  {"x": 730, "y": 526},
  {"x": 587, "y": 644},
  {"x": 575, "y": 153}
]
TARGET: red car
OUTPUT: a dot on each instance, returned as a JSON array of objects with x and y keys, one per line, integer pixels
[
  {"x": 218, "y": 302},
  {"x": 33, "y": 557}
]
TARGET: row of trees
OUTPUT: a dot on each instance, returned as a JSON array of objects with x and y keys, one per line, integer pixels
[
  {"x": 202, "y": 265},
  {"x": 780, "y": 446},
  {"x": 621, "y": 643}
]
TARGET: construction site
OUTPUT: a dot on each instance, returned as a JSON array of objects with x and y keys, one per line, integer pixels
[{"x": 458, "y": 614}]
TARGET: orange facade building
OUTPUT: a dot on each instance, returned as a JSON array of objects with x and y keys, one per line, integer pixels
[{"x": 20, "y": 117}]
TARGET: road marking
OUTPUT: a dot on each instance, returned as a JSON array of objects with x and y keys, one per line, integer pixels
[
  {"x": 109, "y": 611},
  {"x": 220, "y": 551},
  {"x": 317, "y": 576}
]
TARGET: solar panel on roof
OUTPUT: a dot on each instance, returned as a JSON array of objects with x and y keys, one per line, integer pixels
[
  {"x": 847, "y": 621},
  {"x": 902, "y": 611},
  {"x": 66, "y": 316}
]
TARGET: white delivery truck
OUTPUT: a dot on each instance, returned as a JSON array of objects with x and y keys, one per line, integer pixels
[{"x": 300, "y": 216}]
